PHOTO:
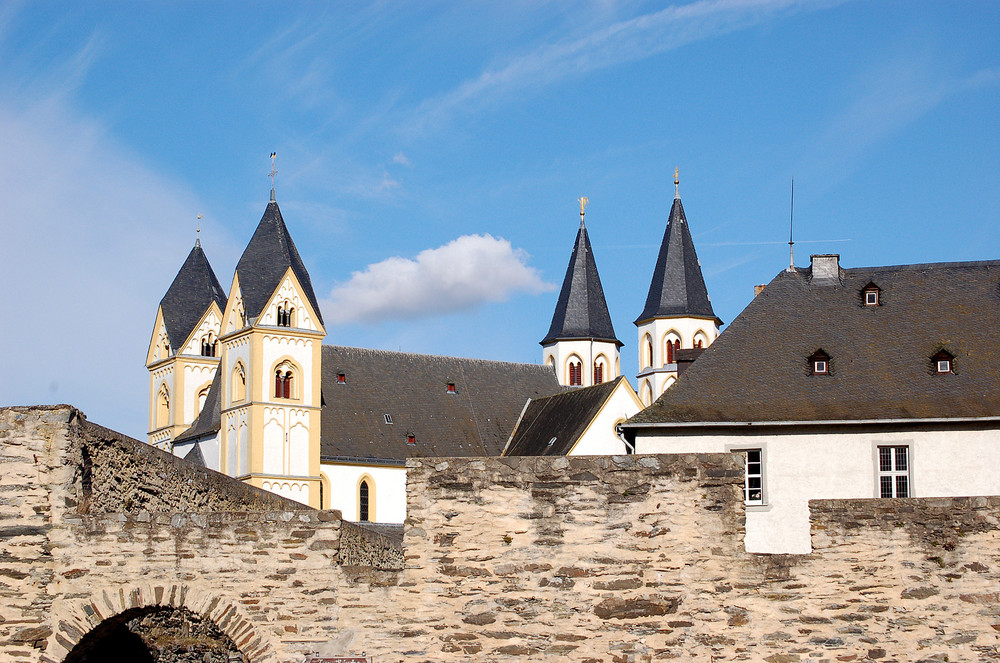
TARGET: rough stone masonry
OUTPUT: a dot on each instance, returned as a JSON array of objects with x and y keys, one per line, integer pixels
[{"x": 634, "y": 558}]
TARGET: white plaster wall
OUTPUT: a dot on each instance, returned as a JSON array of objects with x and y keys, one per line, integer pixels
[
  {"x": 210, "y": 450},
  {"x": 600, "y": 437},
  {"x": 210, "y": 323},
  {"x": 286, "y": 441},
  {"x": 587, "y": 351},
  {"x": 390, "y": 490},
  {"x": 278, "y": 346},
  {"x": 293, "y": 490},
  {"x": 659, "y": 373},
  {"x": 800, "y": 467}
]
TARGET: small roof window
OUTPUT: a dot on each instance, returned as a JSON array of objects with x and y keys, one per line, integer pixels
[
  {"x": 871, "y": 295},
  {"x": 819, "y": 363},
  {"x": 450, "y": 388},
  {"x": 388, "y": 418},
  {"x": 943, "y": 362},
  {"x": 411, "y": 438},
  {"x": 341, "y": 378}
]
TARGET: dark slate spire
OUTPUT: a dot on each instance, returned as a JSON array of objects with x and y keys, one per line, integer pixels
[
  {"x": 678, "y": 288},
  {"x": 581, "y": 312},
  {"x": 268, "y": 255},
  {"x": 189, "y": 296}
]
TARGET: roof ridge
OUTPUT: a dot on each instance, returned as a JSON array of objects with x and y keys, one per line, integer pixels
[{"x": 431, "y": 356}]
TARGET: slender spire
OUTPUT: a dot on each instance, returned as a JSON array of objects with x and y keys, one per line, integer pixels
[
  {"x": 677, "y": 183},
  {"x": 582, "y": 311},
  {"x": 190, "y": 294},
  {"x": 273, "y": 173},
  {"x": 678, "y": 287}
]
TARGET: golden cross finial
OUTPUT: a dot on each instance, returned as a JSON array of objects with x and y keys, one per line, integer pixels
[
  {"x": 677, "y": 182},
  {"x": 583, "y": 206}
]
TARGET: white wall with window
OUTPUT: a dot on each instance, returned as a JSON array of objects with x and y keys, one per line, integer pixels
[
  {"x": 657, "y": 364},
  {"x": 387, "y": 490},
  {"x": 796, "y": 467},
  {"x": 583, "y": 353}
]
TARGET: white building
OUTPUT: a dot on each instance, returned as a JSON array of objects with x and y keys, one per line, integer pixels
[{"x": 876, "y": 382}]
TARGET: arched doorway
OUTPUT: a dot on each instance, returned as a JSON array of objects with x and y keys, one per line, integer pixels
[{"x": 156, "y": 634}]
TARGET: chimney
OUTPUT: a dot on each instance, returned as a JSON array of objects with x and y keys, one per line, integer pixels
[
  {"x": 757, "y": 289},
  {"x": 825, "y": 268}
]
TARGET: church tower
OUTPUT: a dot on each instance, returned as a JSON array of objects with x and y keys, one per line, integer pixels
[
  {"x": 581, "y": 344},
  {"x": 183, "y": 352},
  {"x": 271, "y": 338},
  {"x": 678, "y": 315}
]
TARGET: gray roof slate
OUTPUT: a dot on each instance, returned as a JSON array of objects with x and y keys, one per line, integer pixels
[
  {"x": 267, "y": 257},
  {"x": 678, "y": 287},
  {"x": 561, "y": 418},
  {"x": 581, "y": 311},
  {"x": 190, "y": 294},
  {"x": 880, "y": 356},
  {"x": 476, "y": 420}
]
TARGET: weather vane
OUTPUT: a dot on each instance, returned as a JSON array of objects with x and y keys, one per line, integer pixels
[
  {"x": 583, "y": 206},
  {"x": 274, "y": 171}
]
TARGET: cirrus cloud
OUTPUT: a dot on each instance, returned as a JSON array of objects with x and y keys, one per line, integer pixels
[{"x": 462, "y": 274}]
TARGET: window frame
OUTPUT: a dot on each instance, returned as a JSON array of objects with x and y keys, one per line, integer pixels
[
  {"x": 764, "y": 503},
  {"x": 893, "y": 472}
]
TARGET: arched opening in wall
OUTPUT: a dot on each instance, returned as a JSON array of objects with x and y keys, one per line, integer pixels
[
  {"x": 284, "y": 380},
  {"x": 671, "y": 344},
  {"x": 647, "y": 351},
  {"x": 208, "y": 345},
  {"x": 669, "y": 383},
  {"x": 202, "y": 397},
  {"x": 163, "y": 407},
  {"x": 156, "y": 633},
  {"x": 239, "y": 387},
  {"x": 646, "y": 393},
  {"x": 600, "y": 369},
  {"x": 286, "y": 314},
  {"x": 700, "y": 339},
  {"x": 366, "y": 499},
  {"x": 574, "y": 371},
  {"x": 550, "y": 360}
]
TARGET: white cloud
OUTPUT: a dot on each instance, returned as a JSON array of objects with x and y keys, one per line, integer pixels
[
  {"x": 462, "y": 274},
  {"x": 401, "y": 159}
]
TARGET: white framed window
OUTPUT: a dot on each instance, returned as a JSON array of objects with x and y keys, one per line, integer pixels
[
  {"x": 820, "y": 366},
  {"x": 944, "y": 366},
  {"x": 894, "y": 471},
  {"x": 871, "y": 298},
  {"x": 753, "y": 479}
]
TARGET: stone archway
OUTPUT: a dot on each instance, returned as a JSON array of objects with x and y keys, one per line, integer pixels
[
  {"x": 144, "y": 620},
  {"x": 156, "y": 635}
]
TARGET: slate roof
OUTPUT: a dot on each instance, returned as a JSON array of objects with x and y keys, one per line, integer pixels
[
  {"x": 880, "y": 356},
  {"x": 476, "y": 420},
  {"x": 581, "y": 311},
  {"x": 561, "y": 418},
  {"x": 678, "y": 287},
  {"x": 268, "y": 255},
  {"x": 209, "y": 420},
  {"x": 190, "y": 294}
]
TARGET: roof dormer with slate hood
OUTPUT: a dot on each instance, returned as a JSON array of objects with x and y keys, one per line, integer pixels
[
  {"x": 269, "y": 434},
  {"x": 581, "y": 345},
  {"x": 678, "y": 313},
  {"x": 183, "y": 351}
]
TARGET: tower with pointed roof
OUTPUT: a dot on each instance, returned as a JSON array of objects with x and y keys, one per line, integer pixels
[
  {"x": 581, "y": 345},
  {"x": 678, "y": 315},
  {"x": 272, "y": 331},
  {"x": 183, "y": 353}
]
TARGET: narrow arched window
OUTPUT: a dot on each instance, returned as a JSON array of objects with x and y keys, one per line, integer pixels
[
  {"x": 575, "y": 373},
  {"x": 598, "y": 373},
  {"x": 363, "y": 502},
  {"x": 670, "y": 353},
  {"x": 163, "y": 407},
  {"x": 239, "y": 387},
  {"x": 283, "y": 375},
  {"x": 647, "y": 351}
]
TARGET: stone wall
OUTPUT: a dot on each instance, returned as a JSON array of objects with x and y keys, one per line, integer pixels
[
  {"x": 362, "y": 546},
  {"x": 633, "y": 558}
]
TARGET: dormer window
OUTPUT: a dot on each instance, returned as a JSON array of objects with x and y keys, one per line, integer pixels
[
  {"x": 411, "y": 438},
  {"x": 387, "y": 418},
  {"x": 943, "y": 362},
  {"x": 450, "y": 388},
  {"x": 341, "y": 378},
  {"x": 871, "y": 295},
  {"x": 819, "y": 363}
]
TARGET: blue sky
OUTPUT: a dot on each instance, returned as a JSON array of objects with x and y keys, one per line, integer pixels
[{"x": 452, "y": 140}]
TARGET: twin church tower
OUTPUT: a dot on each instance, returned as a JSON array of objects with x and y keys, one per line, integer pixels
[
  {"x": 236, "y": 376},
  {"x": 675, "y": 324}
]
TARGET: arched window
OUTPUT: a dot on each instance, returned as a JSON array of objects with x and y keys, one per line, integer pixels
[
  {"x": 671, "y": 345},
  {"x": 208, "y": 345},
  {"x": 600, "y": 369},
  {"x": 363, "y": 501},
  {"x": 202, "y": 397},
  {"x": 575, "y": 372},
  {"x": 163, "y": 407},
  {"x": 239, "y": 388},
  {"x": 165, "y": 348},
  {"x": 700, "y": 339},
  {"x": 284, "y": 374},
  {"x": 647, "y": 351},
  {"x": 647, "y": 393},
  {"x": 285, "y": 313}
]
